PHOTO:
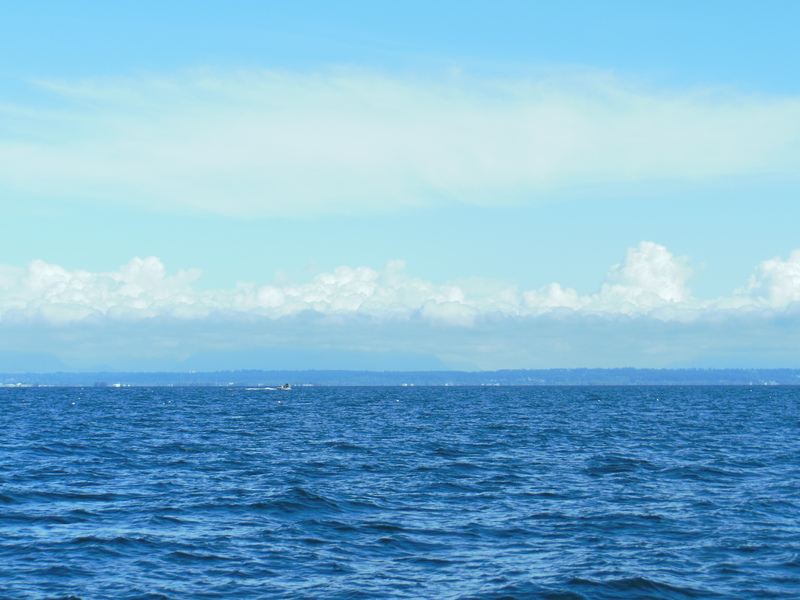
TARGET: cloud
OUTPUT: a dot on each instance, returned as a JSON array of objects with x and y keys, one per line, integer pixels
[
  {"x": 650, "y": 278},
  {"x": 651, "y": 282},
  {"x": 265, "y": 143},
  {"x": 776, "y": 283},
  {"x": 644, "y": 314},
  {"x": 56, "y": 295}
]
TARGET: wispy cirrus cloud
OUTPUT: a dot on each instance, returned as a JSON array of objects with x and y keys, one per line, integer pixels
[{"x": 264, "y": 144}]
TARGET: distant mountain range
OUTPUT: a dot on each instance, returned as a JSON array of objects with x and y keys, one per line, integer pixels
[{"x": 625, "y": 376}]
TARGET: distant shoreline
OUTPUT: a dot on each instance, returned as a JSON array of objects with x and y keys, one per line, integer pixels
[{"x": 511, "y": 377}]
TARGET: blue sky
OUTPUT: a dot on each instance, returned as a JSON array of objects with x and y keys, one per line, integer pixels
[{"x": 399, "y": 185}]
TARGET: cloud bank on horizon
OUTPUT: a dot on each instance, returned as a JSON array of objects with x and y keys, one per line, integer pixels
[
  {"x": 644, "y": 305},
  {"x": 651, "y": 282},
  {"x": 244, "y": 143}
]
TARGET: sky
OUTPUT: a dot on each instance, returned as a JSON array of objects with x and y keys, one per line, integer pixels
[{"x": 475, "y": 185}]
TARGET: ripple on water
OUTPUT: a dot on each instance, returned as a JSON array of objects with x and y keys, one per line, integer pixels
[{"x": 556, "y": 493}]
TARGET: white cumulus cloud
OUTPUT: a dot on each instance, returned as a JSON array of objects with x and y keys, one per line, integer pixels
[
  {"x": 650, "y": 281},
  {"x": 649, "y": 278},
  {"x": 776, "y": 283},
  {"x": 139, "y": 288},
  {"x": 642, "y": 315}
]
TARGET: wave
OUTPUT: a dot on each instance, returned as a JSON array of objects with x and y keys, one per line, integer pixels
[
  {"x": 639, "y": 587},
  {"x": 298, "y": 500},
  {"x": 467, "y": 494}
]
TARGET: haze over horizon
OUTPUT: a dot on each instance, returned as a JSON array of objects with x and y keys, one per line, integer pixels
[{"x": 422, "y": 186}]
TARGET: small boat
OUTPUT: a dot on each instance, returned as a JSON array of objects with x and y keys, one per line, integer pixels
[{"x": 262, "y": 388}]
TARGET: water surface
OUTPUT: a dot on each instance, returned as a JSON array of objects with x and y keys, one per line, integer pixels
[{"x": 516, "y": 492}]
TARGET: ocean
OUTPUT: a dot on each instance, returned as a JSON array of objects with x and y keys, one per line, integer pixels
[{"x": 400, "y": 492}]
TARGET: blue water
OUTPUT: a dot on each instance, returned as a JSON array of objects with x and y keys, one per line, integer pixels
[{"x": 553, "y": 493}]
